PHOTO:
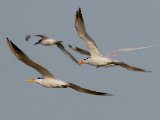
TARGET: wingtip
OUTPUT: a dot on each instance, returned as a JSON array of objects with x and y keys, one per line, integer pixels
[
  {"x": 108, "y": 94},
  {"x": 79, "y": 9},
  {"x": 79, "y": 14},
  {"x": 37, "y": 35},
  {"x": 148, "y": 71},
  {"x": 7, "y": 39},
  {"x": 27, "y": 37},
  {"x": 70, "y": 46}
]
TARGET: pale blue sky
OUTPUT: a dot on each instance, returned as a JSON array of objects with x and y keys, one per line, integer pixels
[{"x": 113, "y": 24}]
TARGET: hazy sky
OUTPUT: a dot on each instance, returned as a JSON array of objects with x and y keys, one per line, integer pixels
[{"x": 113, "y": 24}]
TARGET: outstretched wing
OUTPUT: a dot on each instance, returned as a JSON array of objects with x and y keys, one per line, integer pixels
[
  {"x": 80, "y": 89},
  {"x": 80, "y": 27},
  {"x": 117, "y": 52},
  {"x": 26, "y": 60},
  {"x": 79, "y": 50},
  {"x": 129, "y": 67},
  {"x": 42, "y": 36},
  {"x": 62, "y": 48}
]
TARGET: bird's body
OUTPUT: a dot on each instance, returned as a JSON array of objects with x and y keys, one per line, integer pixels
[
  {"x": 49, "y": 42},
  {"x": 48, "y": 80},
  {"x": 96, "y": 61},
  {"x": 96, "y": 58},
  {"x": 46, "y": 41}
]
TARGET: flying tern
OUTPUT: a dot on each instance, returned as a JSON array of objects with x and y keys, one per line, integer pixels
[
  {"x": 46, "y": 41},
  {"x": 95, "y": 56},
  {"x": 48, "y": 80}
]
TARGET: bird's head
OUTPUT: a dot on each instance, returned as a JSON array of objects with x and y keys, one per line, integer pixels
[
  {"x": 37, "y": 80},
  {"x": 42, "y": 37},
  {"x": 84, "y": 61}
]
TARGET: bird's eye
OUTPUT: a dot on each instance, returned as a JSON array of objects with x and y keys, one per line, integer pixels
[
  {"x": 86, "y": 58},
  {"x": 40, "y": 78}
]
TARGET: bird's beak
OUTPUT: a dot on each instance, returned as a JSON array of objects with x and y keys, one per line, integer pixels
[
  {"x": 81, "y": 62},
  {"x": 31, "y": 81},
  {"x": 36, "y": 43}
]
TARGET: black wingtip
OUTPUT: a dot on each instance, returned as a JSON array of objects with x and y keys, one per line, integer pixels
[
  {"x": 70, "y": 46},
  {"x": 7, "y": 39},
  {"x": 79, "y": 14},
  {"x": 87, "y": 91},
  {"x": 27, "y": 37}
]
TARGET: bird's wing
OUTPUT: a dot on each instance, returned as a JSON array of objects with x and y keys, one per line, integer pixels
[
  {"x": 27, "y": 37},
  {"x": 129, "y": 67},
  {"x": 62, "y": 48},
  {"x": 80, "y": 50},
  {"x": 80, "y": 27},
  {"x": 117, "y": 52},
  {"x": 25, "y": 59},
  {"x": 80, "y": 89},
  {"x": 42, "y": 36}
]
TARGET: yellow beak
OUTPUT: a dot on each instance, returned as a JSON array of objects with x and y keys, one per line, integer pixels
[
  {"x": 81, "y": 62},
  {"x": 31, "y": 81}
]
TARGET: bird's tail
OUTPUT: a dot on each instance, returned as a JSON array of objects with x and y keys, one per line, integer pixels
[
  {"x": 129, "y": 67},
  {"x": 80, "y": 89}
]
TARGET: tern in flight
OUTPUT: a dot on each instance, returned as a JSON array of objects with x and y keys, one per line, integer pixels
[
  {"x": 95, "y": 57},
  {"x": 46, "y": 41},
  {"x": 48, "y": 80}
]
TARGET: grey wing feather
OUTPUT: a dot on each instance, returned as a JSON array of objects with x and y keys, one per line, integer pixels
[
  {"x": 133, "y": 68},
  {"x": 80, "y": 50},
  {"x": 42, "y": 36},
  {"x": 117, "y": 52},
  {"x": 25, "y": 59},
  {"x": 80, "y": 27},
  {"x": 129, "y": 67},
  {"x": 62, "y": 48},
  {"x": 80, "y": 89}
]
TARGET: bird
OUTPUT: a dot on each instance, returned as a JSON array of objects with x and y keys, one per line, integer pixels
[
  {"x": 47, "y": 80},
  {"x": 95, "y": 57},
  {"x": 46, "y": 41}
]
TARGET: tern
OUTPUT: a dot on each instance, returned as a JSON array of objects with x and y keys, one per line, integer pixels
[
  {"x": 48, "y": 80},
  {"x": 46, "y": 41},
  {"x": 95, "y": 56}
]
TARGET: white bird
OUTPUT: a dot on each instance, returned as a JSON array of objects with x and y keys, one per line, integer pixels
[
  {"x": 95, "y": 57},
  {"x": 48, "y": 80},
  {"x": 46, "y": 41}
]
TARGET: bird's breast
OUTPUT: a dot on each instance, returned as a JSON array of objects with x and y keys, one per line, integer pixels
[
  {"x": 53, "y": 83},
  {"x": 99, "y": 61},
  {"x": 48, "y": 42}
]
